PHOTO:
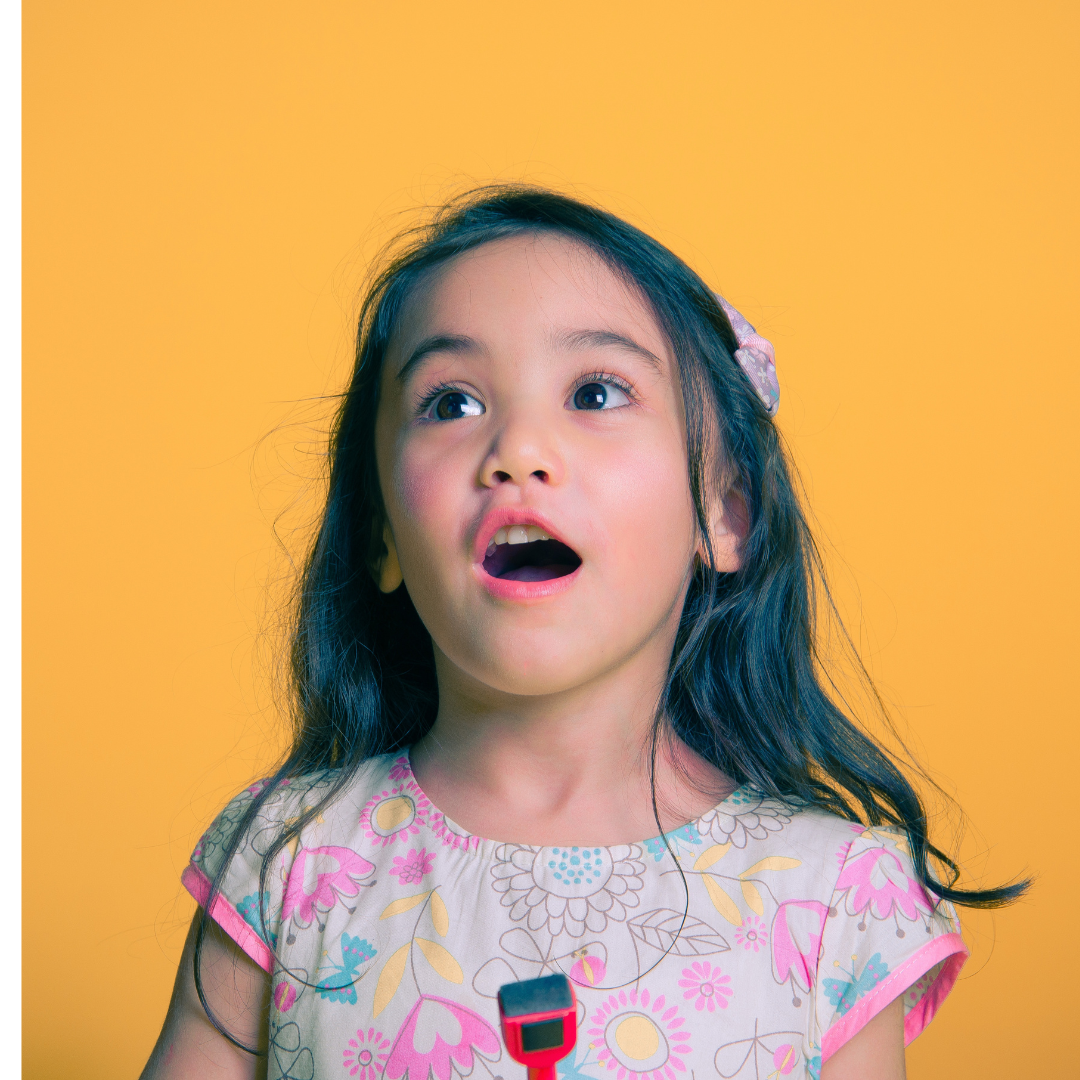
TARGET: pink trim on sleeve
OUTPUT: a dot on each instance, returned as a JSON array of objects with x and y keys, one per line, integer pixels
[
  {"x": 228, "y": 918},
  {"x": 950, "y": 947}
]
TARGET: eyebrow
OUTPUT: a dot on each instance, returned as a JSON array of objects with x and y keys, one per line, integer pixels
[
  {"x": 599, "y": 339},
  {"x": 446, "y": 343},
  {"x": 572, "y": 340}
]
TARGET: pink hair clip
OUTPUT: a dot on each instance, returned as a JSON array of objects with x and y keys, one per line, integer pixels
[{"x": 756, "y": 357}]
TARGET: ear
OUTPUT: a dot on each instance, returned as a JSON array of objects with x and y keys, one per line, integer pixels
[
  {"x": 387, "y": 572},
  {"x": 728, "y": 525}
]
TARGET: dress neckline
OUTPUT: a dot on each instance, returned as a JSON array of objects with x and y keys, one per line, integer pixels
[{"x": 476, "y": 843}]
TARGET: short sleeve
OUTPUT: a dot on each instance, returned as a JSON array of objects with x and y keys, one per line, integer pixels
[
  {"x": 251, "y": 919},
  {"x": 884, "y": 936}
]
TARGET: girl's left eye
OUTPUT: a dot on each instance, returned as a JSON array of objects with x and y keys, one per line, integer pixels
[
  {"x": 453, "y": 405},
  {"x": 599, "y": 395}
]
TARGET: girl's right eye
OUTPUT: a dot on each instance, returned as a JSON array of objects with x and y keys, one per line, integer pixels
[{"x": 453, "y": 405}]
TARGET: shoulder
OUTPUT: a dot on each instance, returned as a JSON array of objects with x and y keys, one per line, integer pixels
[
  {"x": 230, "y": 867},
  {"x": 854, "y": 866},
  {"x": 855, "y": 871},
  {"x": 840, "y": 864},
  {"x": 258, "y": 815},
  {"x": 762, "y": 827},
  {"x": 877, "y": 879}
]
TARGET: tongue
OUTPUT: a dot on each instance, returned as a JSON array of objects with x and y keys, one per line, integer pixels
[{"x": 536, "y": 573}]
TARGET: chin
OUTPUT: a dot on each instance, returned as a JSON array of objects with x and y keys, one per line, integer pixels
[
  {"x": 538, "y": 681},
  {"x": 537, "y": 666},
  {"x": 567, "y": 651}
]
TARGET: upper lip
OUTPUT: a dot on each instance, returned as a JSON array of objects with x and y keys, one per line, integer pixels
[{"x": 502, "y": 517}]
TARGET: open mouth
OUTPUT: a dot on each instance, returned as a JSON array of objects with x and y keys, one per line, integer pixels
[{"x": 527, "y": 553}]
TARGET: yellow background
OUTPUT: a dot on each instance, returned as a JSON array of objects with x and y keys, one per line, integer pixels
[{"x": 887, "y": 190}]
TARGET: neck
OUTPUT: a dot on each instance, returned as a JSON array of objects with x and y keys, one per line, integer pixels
[{"x": 568, "y": 767}]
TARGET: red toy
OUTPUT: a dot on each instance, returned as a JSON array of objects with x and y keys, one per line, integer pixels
[{"x": 539, "y": 1022}]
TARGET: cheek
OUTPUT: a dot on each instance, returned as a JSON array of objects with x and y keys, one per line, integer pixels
[
  {"x": 413, "y": 475},
  {"x": 424, "y": 500},
  {"x": 416, "y": 486},
  {"x": 648, "y": 513}
]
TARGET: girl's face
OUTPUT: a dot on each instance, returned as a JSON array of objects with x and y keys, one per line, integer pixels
[{"x": 532, "y": 456}]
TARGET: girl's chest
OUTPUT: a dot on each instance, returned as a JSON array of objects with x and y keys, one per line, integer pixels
[{"x": 395, "y": 974}]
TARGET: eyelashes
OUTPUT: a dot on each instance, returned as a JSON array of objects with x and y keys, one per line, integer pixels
[
  {"x": 430, "y": 395},
  {"x": 608, "y": 378}
]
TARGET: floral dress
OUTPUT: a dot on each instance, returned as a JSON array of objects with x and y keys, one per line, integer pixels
[{"x": 767, "y": 942}]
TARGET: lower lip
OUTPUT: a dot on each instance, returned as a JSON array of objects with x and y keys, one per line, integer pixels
[{"x": 507, "y": 589}]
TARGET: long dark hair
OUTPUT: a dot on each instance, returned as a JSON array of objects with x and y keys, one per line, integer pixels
[{"x": 746, "y": 688}]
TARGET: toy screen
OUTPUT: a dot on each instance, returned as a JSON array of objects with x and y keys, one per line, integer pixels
[{"x": 542, "y": 1036}]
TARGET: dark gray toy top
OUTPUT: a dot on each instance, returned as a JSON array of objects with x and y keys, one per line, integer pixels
[{"x": 536, "y": 996}]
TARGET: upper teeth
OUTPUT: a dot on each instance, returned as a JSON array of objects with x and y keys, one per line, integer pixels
[{"x": 517, "y": 534}]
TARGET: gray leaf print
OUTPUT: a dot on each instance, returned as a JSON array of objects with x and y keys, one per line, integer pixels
[{"x": 660, "y": 929}]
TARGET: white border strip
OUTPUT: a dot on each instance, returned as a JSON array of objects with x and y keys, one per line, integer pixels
[{"x": 11, "y": 526}]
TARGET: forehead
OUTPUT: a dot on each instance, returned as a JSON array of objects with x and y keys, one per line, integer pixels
[{"x": 533, "y": 284}]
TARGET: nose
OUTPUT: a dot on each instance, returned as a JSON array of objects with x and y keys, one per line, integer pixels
[{"x": 522, "y": 449}]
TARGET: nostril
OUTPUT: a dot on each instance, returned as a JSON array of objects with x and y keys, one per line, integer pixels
[
  {"x": 540, "y": 475},
  {"x": 501, "y": 476}
]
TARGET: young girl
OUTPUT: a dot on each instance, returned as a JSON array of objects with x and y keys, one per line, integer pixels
[{"x": 558, "y": 708}]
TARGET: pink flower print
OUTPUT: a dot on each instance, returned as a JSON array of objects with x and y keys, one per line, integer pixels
[
  {"x": 412, "y": 867},
  {"x": 450, "y": 834},
  {"x": 395, "y": 814},
  {"x": 785, "y": 1059},
  {"x": 844, "y": 850},
  {"x": 440, "y": 1037},
  {"x": 875, "y": 882},
  {"x": 318, "y": 879},
  {"x": 587, "y": 970},
  {"x": 366, "y": 1054},
  {"x": 284, "y": 997},
  {"x": 401, "y": 769},
  {"x": 796, "y": 941},
  {"x": 706, "y": 986},
  {"x": 639, "y": 1037},
  {"x": 752, "y": 934}
]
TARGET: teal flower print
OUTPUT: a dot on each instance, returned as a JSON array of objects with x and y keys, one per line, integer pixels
[
  {"x": 685, "y": 835},
  {"x": 568, "y": 889},
  {"x": 251, "y": 910}
]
